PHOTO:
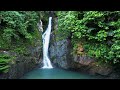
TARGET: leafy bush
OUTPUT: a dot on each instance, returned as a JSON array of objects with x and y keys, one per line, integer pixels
[
  {"x": 100, "y": 31},
  {"x": 4, "y": 63},
  {"x": 17, "y": 24}
]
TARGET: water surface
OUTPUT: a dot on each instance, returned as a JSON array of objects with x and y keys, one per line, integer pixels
[{"x": 56, "y": 73}]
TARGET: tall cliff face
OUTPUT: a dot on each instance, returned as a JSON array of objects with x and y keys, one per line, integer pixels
[{"x": 59, "y": 50}]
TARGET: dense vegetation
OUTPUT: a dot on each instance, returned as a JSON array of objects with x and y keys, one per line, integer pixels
[
  {"x": 16, "y": 25},
  {"x": 98, "y": 31},
  {"x": 18, "y": 29}
]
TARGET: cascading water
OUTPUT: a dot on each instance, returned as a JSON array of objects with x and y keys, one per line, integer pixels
[{"x": 46, "y": 38}]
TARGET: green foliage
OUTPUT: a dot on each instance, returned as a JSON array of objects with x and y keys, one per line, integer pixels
[
  {"x": 66, "y": 22},
  {"x": 15, "y": 25},
  {"x": 100, "y": 31},
  {"x": 4, "y": 63},
  {"x": 18, "y": 31}
]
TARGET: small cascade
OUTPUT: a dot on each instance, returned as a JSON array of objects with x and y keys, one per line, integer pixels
[{"x": 46, "y": 38}]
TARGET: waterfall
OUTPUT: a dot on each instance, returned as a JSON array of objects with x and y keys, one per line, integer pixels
[{"x": 46, "y": 38}]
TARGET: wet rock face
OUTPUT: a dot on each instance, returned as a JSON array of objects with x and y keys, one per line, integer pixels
[
  {"x": 23, "y": 63},
  {"x": 104, "y": 71},
  {"x": 91, "y": 66},
  {"x": 58, "y": 49},
  {"x": 84, "y": 60},
  {"x": 58, "y": 54}
]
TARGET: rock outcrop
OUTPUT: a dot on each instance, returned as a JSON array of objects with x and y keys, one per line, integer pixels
[
  {"x": 58, "y": 54},
  {"x": 59, "y": 50},
  {"x": 22, "y": 63}
]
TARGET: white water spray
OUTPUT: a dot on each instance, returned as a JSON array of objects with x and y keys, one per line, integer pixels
[{"x": 46, "y": 38}]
